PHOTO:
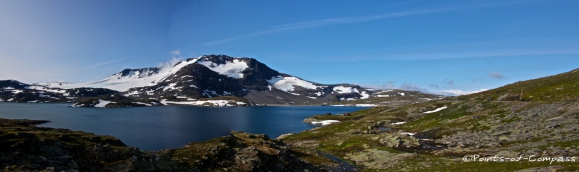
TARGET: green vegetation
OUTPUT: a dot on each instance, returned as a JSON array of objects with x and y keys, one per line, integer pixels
[{"x": 544, "y": 122}]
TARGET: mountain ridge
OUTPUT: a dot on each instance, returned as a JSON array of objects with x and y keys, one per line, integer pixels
[{"x": 204, "y": 77}]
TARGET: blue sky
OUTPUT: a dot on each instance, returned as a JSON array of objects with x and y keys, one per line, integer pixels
[{"x": 434, "y": 46}]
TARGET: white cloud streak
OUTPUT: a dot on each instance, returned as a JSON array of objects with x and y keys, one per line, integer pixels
[
  {"x": 496, "y": 75},
  {"x": 326, "y": 22},
  {"x": 347, "y": 20},
  {"x": 102, "y": 64}
]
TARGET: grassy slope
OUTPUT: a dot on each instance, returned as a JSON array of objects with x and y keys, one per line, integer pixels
[{"x": 545, "y": 98}]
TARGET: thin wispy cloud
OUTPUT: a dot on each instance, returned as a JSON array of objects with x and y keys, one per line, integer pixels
[
  {"x": 437, "y": 56},
  {"x": 485, "y": 54},
  {"x": 175, "y": 52},
  {"x": 345, "y": 20},
  {"x": 448, "y": 81},
  {"x": 496, "y": 75},
  {"x": 326, "y": 22},
  {"x": 102, "y": 64},
  {"x": 348, "y": 20}
]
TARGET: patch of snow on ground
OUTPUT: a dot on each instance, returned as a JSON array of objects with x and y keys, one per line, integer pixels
[
  {"x": 364, "y": 95},
  {"x": 9, "y": 100},
  {"x": 163, "y": 101},
  {"x": 436, "y": 110},
  {"x": 319, "y": 94},
  {"x": 344, "y": 90},
  {"x": 287, "y": 83},
  {"x": 398, "y": 123},
  {"x": 102, "y": 103},
  {"x": 365, "y": 105},
  {"x": 338, "y": 105},
  {"x": 1, "y": 100},
  {"x": 141, "y": 103},
  {"x": 230, "y": 69},
  {"x": 170, "y": 86},
  {"x": 383, "y": 95},
  {"x": 9, "y": 88},
  {"x": 240, "y": 103},
  {"x": 325, "y": 122},
  {"x": 295, "y": 94},
  {"x": 380, "y": 92},
  {"x": 16, "y": 91},
  {"x": 407, "y": 133},
  {"x": 312, "y": 97},
  {"x": 182, "y": 97},
  {"x": 198, "y": 103},
  {"x": 131, "y": 93},
  {"x": 402, "y": 94}
]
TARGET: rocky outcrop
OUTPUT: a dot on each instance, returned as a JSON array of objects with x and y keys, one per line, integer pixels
[
  {"x": 24, "y": 147},
  {"x": 237, "y": 152},
  {"x": 28, "y": 148}
]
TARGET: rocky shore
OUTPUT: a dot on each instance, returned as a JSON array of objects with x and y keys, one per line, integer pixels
[{"x": 25, "y": 147}]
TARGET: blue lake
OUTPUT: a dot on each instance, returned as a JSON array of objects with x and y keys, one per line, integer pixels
[{"x": 156, "y": 128}]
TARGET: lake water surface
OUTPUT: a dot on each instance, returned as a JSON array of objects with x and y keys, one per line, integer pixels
[{"x": 156, "y": 128}]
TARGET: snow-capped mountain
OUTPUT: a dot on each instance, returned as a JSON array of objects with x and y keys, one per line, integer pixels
[
  {"x": 213, "y": 76},
  {"x": 208, "y": 76}
]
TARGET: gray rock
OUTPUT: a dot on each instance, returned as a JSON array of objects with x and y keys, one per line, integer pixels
[{"x": 72, "y": 164}]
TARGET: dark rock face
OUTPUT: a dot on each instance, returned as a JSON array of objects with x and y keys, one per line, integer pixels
[
  {"x": 142, "y": 72},
  {"x": 12, "y": 83}
]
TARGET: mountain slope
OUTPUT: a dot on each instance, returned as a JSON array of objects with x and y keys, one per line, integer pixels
[
  {"x": 563, "y": 87},
  {"x": 462, "y": 133}
]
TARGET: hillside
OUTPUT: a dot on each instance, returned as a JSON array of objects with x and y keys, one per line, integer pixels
[
  {"x": 542, "y": 126},
  {"x": 559, "y": 88}
]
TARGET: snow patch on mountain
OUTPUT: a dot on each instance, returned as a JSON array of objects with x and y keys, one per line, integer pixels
[
  {"x": 364, "y": 95},
  {"x": 287, "y": 83},
  {"x": 231, "y": 69},
  {"x": 102, "y": 103},
  {"x": 171, "y": 86},
  {"x": 436, "y": 110},
  {"x": 203, "y": 103},
  {"x": 133, "y": 79},
  {"x": 344, "y": 90}
]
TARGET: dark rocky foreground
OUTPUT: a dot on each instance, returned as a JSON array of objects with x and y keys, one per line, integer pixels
[{"x": 24, "y": 147}]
